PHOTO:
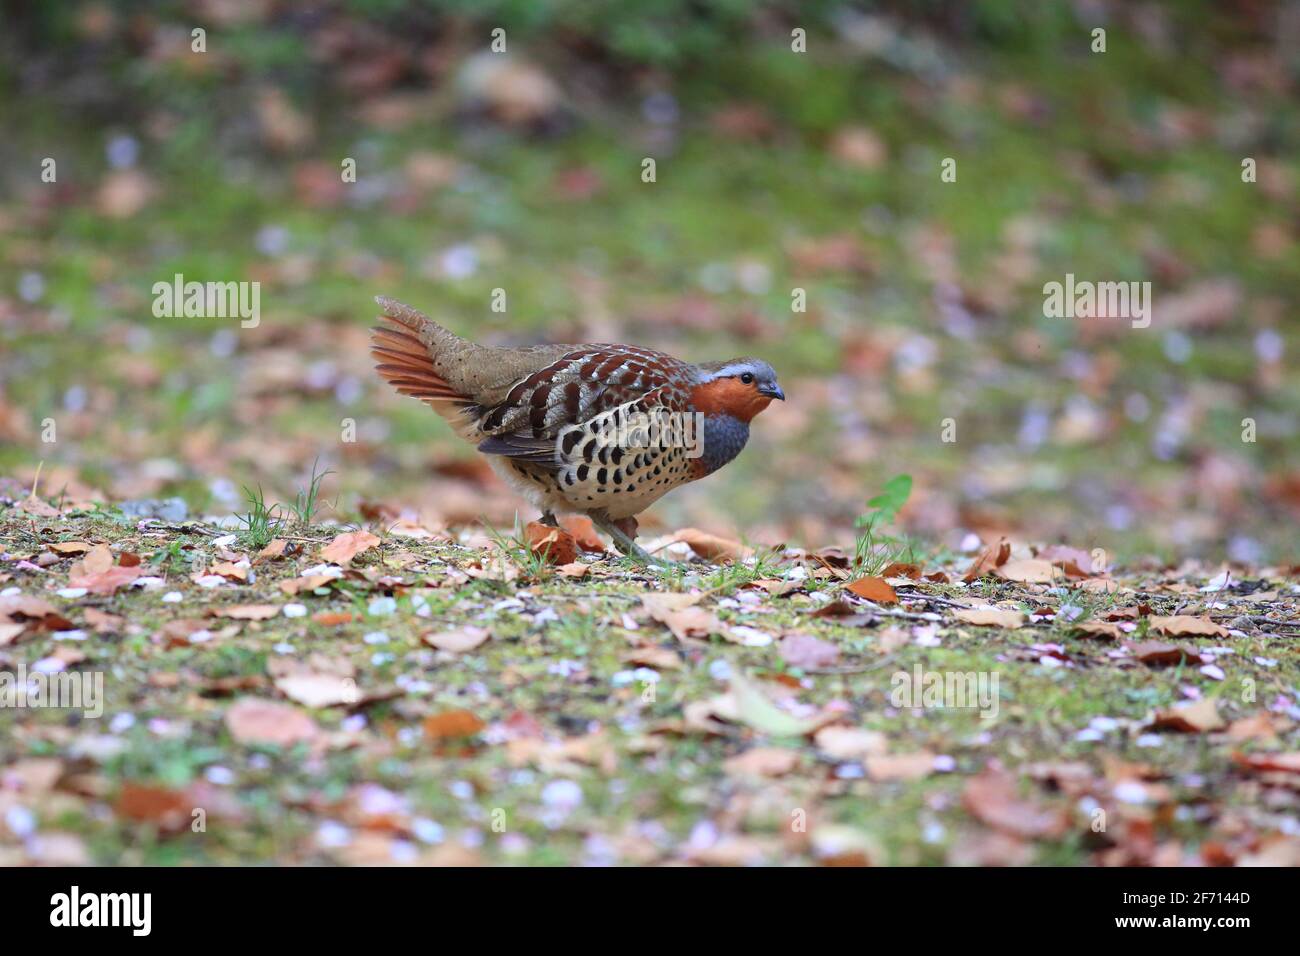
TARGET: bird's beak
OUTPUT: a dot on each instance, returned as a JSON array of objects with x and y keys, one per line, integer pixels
[{"x": 772, "y": 391}]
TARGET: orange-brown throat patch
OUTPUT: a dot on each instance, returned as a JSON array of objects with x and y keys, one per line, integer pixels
[{"x": 729, "y": 396}]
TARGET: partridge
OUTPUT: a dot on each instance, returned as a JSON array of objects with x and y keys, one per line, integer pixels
[{"x": 598, "y": 430}]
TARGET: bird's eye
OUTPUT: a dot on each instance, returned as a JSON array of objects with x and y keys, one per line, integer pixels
[{"x": 747, "y": 378}]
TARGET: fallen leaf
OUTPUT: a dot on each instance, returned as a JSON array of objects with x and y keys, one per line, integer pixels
[
  {"x": 991, "y": 798},
  {"x": 584, "y": 532},
  {"x": 762, "y": 762},
  {"x": 319, "y": 689},
  {"x": 103, "y": 622},
  {"x": 652, "y": 655},
  {"x": 1158, "y": 653},
  {"x": 679, "y": 613},
  {"x": 989, "y": 560},
  {"x": 1030, "y": 571},
  {"x": 710, "y": 547},
  {"x": 70, "y": 547},
  {"x": 873, "y": 589},
  {"x": 1195, "y": 717},
  {"x": 1182, "y": 625},
  {"x": 38, "y": 507},
  {"x": 554, "y": 545},
  {"x": 252, "y": 720},
  {"x": 459, "y": 641},
  {"x": 347, "y": 546},
  {"x": 1279, "y": 762},
  {"x": 170, "y": 810},
  {"x": 246, "y": 612},
  {"x": 1107, "y": 630},
  {"x": 911, "y": 766},
  {"x": 850, "y": 743},
  {"x": 804, "y": 650},
  {"x": 452, "y": 724},
  {"x": 991, "y": 617}
]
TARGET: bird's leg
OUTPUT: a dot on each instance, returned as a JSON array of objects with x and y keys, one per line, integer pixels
[
  {"x": 622, "y": 540},
  {"x": 548, "y": 519}
]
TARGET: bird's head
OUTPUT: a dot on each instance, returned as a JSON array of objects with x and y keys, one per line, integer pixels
[{"x": 740, "y": 388}]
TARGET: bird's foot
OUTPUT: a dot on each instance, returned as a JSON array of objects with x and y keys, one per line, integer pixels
[{"x": 623, "y": 533}]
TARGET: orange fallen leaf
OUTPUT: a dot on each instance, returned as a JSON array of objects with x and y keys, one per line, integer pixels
[
  {"x": 169, "y": 809},
  {"x": 873, "y": 589},
  {"x": 555, "y": 545},
  {"x": 252, "y": 720},
  {"x": 452, "y": 724},
  {"x": 347, "y": 546},
  {"x": 584, "y": 532}
]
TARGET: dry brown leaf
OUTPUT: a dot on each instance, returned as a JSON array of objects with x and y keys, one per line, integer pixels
[
  {"x": 679, "y": 613},
  {"x": 252, "y": 720},
  {"x": 319, "y": 689},
  {"x": 458, "y": 641},
  {"x": 873, "y": 589},
  {"x": 246, "y": 612},
  {"x": 850, "y": 743},
  {"x": 452, "y": 724},
  {"x": 272, "y": 551},
  {"x": 911, "y": 766},
  {"x": 804, "y": 650},
  {"x": 710, "y": 547},
  {"x": 347, "y": 546},
  {"x": 1278, "y": 762},
  {"x": 1158, "y": 653},
  {"x": 38, "y": 507},
  {"x": 1030, "y": 571},
  {"x": 70, "y": 547},
  {"x": 584, "y": 532},
  {"x": 1255, "y": 727},
  {"x": 991, "y": 617},
  {"x": 990, "y": 559},
  {"x": 652, "y": 655},
  {"x": 762, "y": 762},
  {"x": 991, "y": 798},
  {"x": 554, "y": 545},
  {"x": 1197, "y": 717},
  {"x": 103, "y": 622},
  {"x": 1106, "y": 630},
  {"x": 170, "y": 810},
  {"x": 1183, "y": 625},
  {"x": 574, "y": 569}
]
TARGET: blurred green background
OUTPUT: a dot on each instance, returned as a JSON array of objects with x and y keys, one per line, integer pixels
[{"x": 776, "y": 170}]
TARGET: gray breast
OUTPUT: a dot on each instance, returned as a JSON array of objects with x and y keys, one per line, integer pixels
[{"x": 724, "y": 437}]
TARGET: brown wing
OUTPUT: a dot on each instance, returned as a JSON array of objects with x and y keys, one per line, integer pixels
[{"x": 581, "y": 384}]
